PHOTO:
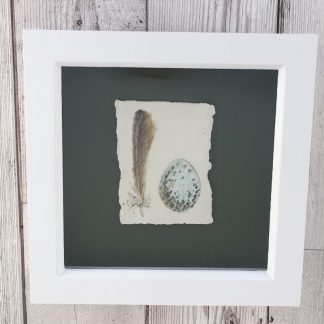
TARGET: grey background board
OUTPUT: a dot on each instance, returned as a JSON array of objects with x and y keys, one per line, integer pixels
[{"x": 241, "y": 155}]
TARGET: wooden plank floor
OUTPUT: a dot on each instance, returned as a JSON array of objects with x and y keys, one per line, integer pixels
[{"x": 288, "y": 16}]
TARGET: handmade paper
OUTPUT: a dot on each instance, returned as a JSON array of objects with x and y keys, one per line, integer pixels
[{"x": 163, "y": 153}]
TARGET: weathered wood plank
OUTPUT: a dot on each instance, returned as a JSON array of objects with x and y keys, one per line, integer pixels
[
  {"x": 236, "y": 315},
  {"x": 11, "y": 295},
  {"x": 211, "y": 16},
  {"x": 206, "y": 315},
  {"x": 80, "y": 15},
  {"x": 306, "y": 16},
  {"x": 312, "y": 303},
  {"x": 178, "y": 315},
  {"x": 86, "y": 314}
]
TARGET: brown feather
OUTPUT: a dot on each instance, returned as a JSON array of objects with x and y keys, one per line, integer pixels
[{"x": 143, "y": 134}]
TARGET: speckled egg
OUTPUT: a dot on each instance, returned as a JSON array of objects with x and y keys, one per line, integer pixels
[{"x": 179, "y": 186}]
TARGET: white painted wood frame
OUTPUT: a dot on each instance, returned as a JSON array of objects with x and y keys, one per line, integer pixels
[{"x": 46, "y": 51}]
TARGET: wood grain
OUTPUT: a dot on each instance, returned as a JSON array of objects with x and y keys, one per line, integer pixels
[
  {"x": 79, "y": 15},
  {"x": 206, "y": 315},
  {"x": 86, "y": 314},
  {"x": 238, "y": 315},
  {"x": 178, "y": 315},
  {"x": 307, "y": 17},
  {"x": 312, "y": 303},
  {"x": 11, "y": 294},
  {"x": 257, "y": 16},
  {"x": 211, "y": 16}
]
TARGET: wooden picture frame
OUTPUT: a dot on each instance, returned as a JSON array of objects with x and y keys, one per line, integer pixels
[{"x": 45, "y": 52}]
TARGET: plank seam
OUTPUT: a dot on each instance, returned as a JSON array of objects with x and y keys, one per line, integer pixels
[
  {"x": 75, "y": 314},
  {"x": 18, "y": 147},
  {"x": 146, "y": 15},
  {"x": 314, "y": 250},
  {"x": 278, "y": 18},
  {"x": 280, "y": 15},
  {"x": 147, "y": 315}
]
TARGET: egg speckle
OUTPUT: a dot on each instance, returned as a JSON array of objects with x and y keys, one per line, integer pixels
[{"x": 179, "y": 186}]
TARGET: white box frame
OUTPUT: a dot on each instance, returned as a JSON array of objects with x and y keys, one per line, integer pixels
[{"x": 294, "y": 56}]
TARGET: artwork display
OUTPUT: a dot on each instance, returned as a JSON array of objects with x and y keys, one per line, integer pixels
[
  {"x": 163, "y": 153},
  {"x": 160, "y": 166}
]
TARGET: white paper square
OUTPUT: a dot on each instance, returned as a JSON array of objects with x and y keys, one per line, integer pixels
[{"x": 182, "y": 132}]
